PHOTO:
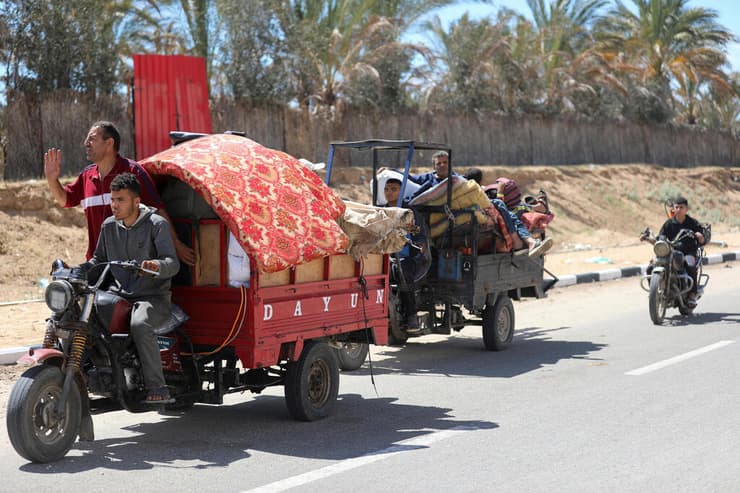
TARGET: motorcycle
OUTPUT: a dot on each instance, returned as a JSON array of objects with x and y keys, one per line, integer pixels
[
  {"x": 667, "y": 281},
  {"x": 87, "y": 362}
]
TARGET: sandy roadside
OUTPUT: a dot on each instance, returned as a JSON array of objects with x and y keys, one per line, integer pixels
[{"x": 586, "y": 258}]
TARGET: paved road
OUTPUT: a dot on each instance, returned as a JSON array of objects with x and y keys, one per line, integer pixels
[{"x": 590, "y": 397}]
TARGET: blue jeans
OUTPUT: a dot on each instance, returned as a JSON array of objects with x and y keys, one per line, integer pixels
[{"x": 513, "y": 223}]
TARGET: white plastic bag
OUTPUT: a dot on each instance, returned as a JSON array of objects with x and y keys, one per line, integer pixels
[{"x": 238, "y": 261}]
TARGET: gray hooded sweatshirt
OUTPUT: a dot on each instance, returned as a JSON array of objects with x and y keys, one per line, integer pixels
[{"x": 147, "y": 239}]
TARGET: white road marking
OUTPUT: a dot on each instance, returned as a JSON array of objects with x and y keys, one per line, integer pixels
[
  {"x": 678, "y": 359},
  {"x": 346, "y": 465}
]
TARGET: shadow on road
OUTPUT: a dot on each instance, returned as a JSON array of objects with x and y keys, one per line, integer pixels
[
  {"x": 207, "y": 437},
  {"x": 532, "y": 348},
  {"x": 216, "y": 436},
  {"x": 703, "y": 318}
]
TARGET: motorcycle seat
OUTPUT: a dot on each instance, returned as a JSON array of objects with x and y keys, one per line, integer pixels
[{"x": 114, "y": 313}]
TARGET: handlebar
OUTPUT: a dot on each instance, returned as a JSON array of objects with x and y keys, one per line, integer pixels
[
  {"x": 80, "y": 275},
  {"x": 684, "y": 233},
  {"x": 82, "y": 271},
  {"x": 133, "y": 265}
]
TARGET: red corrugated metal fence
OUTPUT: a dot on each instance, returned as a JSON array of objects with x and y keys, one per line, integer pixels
[{"x": 170, "y": 93}]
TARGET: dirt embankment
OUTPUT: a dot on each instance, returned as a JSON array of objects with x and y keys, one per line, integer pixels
[{"x": 33, "y": 232}]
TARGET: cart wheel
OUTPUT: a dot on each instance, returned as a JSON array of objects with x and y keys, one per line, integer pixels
[
  {"x": 498, "y": 324},
  {"x": 312, "y": 383},
  {"x": 396, "y": 335},
  {"x": 351, "y": 355}
]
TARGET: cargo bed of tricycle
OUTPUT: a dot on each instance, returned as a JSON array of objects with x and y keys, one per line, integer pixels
[
  {"x": 334, "y": 298},
  {"x": 271, "y": 297}
]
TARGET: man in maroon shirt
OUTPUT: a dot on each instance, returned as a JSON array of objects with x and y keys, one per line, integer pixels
[{"x": 91, "y": 189}]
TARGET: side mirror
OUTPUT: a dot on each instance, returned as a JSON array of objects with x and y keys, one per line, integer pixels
[{"x": 57, "y": 265}]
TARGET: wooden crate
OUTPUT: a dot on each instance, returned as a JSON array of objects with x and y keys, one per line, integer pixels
[
  {"x": 279, "y": 278},
  {"x": 341, "y": 266},
  {"x": 208, "y": 250},
  {"x": 373, "y": 264},
  {"x": 310, "y": 271}
]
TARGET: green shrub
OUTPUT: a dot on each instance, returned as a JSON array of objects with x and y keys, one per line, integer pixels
[{"x": 668, "y": 191}]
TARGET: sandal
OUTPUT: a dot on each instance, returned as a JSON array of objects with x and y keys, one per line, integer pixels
[
  {"x": 540, "y": 247},
  {"x": 158, "y": 396}
]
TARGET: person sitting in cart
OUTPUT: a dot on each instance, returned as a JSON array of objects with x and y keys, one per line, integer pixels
[
  {"x": 514, "y": 224},
  {"x": 474, "y": 174},
  {"x": 425, "y": 181},
  {"x": 411, "y": 260},
  {"x": 441, "y": 163},
  {"x": 689, "y": 245},
  {"x": 135, "y": 232}
]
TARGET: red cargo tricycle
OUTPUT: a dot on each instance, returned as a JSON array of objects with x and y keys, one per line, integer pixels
[{"x": 279, "y": 326}]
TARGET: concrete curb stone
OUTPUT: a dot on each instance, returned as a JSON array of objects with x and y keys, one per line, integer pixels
[
  {"x": 639, "y": 270},
  {"x": 8, "y": 356}
]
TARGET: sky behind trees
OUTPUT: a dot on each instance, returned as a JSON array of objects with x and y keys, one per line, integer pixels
[{"x": 729, "y": 16}]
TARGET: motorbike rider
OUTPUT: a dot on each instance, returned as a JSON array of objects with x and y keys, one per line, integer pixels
[
  {"x": 136, "y": 232},
  {"x": 689, "y": 244}
]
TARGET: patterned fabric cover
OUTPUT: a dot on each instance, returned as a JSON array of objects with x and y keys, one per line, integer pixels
[{"x": 280, "y": 211}]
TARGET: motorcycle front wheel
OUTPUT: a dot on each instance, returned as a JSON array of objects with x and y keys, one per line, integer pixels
[
  {"x": 657, "y": 301},
  {"x": 38, "y": 431}
]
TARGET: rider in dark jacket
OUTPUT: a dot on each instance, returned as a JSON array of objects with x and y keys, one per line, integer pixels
[{"x": 689, "y": 244}]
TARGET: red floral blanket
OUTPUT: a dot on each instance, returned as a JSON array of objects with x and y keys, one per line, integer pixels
[{"x": 279, "y": 210}]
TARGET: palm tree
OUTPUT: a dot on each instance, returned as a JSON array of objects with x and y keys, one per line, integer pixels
[
  {"x": 564, "y": 24},
  {"x": 200, "y": 28},
  {"x": 658, "y": 42},
  {"x": 387, "y": 74},
  {"x": 319, "y": 40},
  {"x": 720, "y": 108},
  {"x": 383, "y": 74},
  {"x": 198, "y": 16},
  {"x": 693, "y": 78},
  {"x": 563, "y": 41},
  {"x": 470, "y": 57},
  {"x": 335, "y": 42}
]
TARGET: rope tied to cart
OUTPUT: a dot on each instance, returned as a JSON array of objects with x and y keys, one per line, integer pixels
[{"x": 363, "y": 286}]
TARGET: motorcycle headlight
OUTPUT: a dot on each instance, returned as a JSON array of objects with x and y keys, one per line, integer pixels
[
  {"x": 661, "y": 249},
  {"x": 59, "y": 295}
]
